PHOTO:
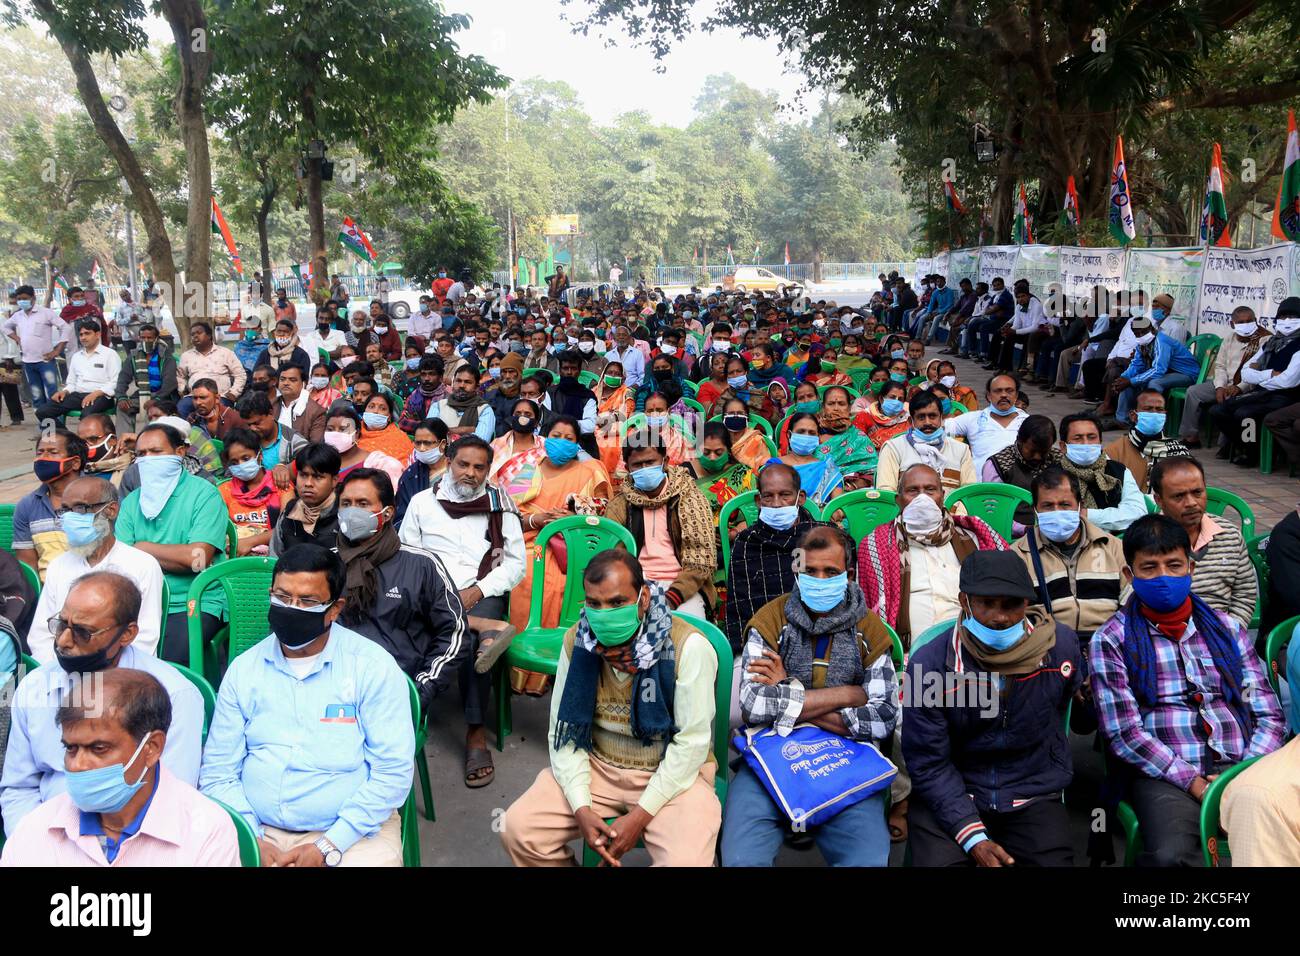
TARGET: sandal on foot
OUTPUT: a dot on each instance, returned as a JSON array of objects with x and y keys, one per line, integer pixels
[
  {"x": 477, "y": 760},
  {"x": 492, "y": 644}
]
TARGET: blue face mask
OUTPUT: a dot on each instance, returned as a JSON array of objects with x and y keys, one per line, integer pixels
[
  {"x": 782, "y": 519},
  {"x": 245, "y": 470},
  {"x": 737, "y": 381},
  {"x": 804, "y": 444},
  {"x": 648, "y": 479},
  {"x": 1158, "y": 315},
  {"x": 425, "y": 308},
  {"x": 80, "y": 529},
  {"x": 158, "y": 477},
  {"x": 992, "y": 637},
  {"x": 561, "y": 451},
  {"x": 897, "y": 354},
  {"x": 413, "y": 364},
  {"x": 105, "y": 789},
  {"x": 820, "y": 595},
  {"x": 656, "y": 421},
  {"x": 494, "y": 371},
  {"x": 1164, "y": 593},
  {"x": 1083, "y": 455},
  {"x": 891, "y": 406},
  {"x": 1150, "y": 423},
  {"x": 375, "y": 420},
  {"x": 1058, "y": 526},
  {"x": 897, "y": 377},
  {"x": 933, "y": 439}
]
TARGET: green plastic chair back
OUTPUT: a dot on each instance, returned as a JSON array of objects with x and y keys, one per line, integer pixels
[
  {"x": 755, "y": 421},
  {"x": 1213, "y": 844},
  {"x": 247, "y": 583},
  {"x": 7, "y": 527},
  {"x": 693, "y": 404},
  {"x": 588, "y": 378},
  {"x": 916, "y": 380},
  {"x": 854, "y": 394},
  {"x": 32, "y": 577},
  {"x": 895, "y": 645},
  {"x": 1152, "y": 507},
  {"x": 421, "y": 738},
  {"x": 537, "y": 648},
  {"x": 1218, "y": 500},
  {"x": 1128, "y": 822},
  {"x": 1255, "y": 550},
  {"x": 747, "y": 504},
  {"x": 232, "y": 539},
  {"x": 863, "y": 510},
  {"x": 30, "y": 663},
  {"x": 249, "y": 854},
  {"x": 721, "y": 712},
  {"x": 1274, "y": 647},
  {"x": 943, "y": 628},
  {"x": 861, "y": 378},
  {"x": 205, "y": 691},
  {"x": 322, "y": 356},
  {"x": 994, "y": 502},
  {"x": 959, "y": 408},
  {"x": 1197, "y": 342},
  {"x": 691, "y": 389}
]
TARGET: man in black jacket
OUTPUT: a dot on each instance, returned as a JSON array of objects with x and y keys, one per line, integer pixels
[
  {"x": 984, "y": 727},
  {"x": 399, "y": 596},
  {"x": 312, "y": 516}
]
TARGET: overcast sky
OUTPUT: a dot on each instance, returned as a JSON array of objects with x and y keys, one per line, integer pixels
[{"x": 526, "y": 38}]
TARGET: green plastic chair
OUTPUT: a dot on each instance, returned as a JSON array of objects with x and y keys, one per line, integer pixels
[
  {"x": 537, "y": 648},
  {"x": 755, "y": 421},
  {"x": 1206, "y": 348},
  {"x": 1128, "y": 823},
  {"x": 1275, "y": 646},
  {"x": 864, "y": 510},
  {"x": 916, "y": 381},
  {"x": 693, "y": 404},
  {"x": 854, "y": 394},
  {"x": 747, "y": 504},
  {"x": 895, "y": 645},
  {"x": 410, "y": 832},
  {"x": 691, "y": 389},
  {"x": 32, "y": 577},
  {"x": 930, "y": 633},
  {"x": 1218, "y": 500},
  {"x": 250, "y": 856},
  {"x": 721, "y": 712},
  {"x": 1214, "y": 843},
  {"x": 959, "y": 408},
  {"x": 247, "y": 583},
  {"x": 588, "y": 378},
  {"x": 205, "y": 691},
  {"x": 1255, "y": 550},
  {"x": 992, "y": 501},
  {"x": 421, "y": 758},
  {"x": 30, "y": 663},
  {"x": 7, "y": 527}
]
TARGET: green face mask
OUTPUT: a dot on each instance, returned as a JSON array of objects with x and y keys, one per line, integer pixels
[
  {"x": 811, "y": 407},
  {"x": 715, "y": 465},
  {"x": 612, "y": 626},
  {"x": 828, "y": 366},
  {"x": 613, "y": 381},
  {"x": 876, "y": 387}
]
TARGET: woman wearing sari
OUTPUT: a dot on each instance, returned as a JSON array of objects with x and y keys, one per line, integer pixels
[
  {"x": 677, "y": 432},
  {"x": 853, "y": 354},
  {"x": 747, "y": 443},
  {"x": 887, "y": 417},
  {"x": 429, "y": 460},
  {"x": 614, "y": 405},
  {"x": 821, "y": 370},
  {"x": 716, "y": 383},
  {"x": 560, "y": 486},
  {"x": 380, "y": 432},
  {"x": 516, "y": 454},
  {"x": 959, "y": 393},
  {"x": 819, "y": 476},
  {"x": 718, "y": 475},
  {"x": 879, "y": 376},
  {"x": 806, "y": 399},
  {"x": 770, "y": 404},
  {"x": 322, "y": 393}
]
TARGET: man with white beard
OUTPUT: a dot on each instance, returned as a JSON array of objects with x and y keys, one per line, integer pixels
[
  {"x": 89, "y": 519},
  {"x": 474, "y": 528}
]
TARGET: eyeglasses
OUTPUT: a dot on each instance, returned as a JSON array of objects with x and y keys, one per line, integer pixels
[
  {"x": 89, "y": 509},
  {"x": 281, "y": 599},
  {"x": 80, "y": 633}
]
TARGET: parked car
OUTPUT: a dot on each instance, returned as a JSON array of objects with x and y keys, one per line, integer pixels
[{"x": 757, "y": 279}]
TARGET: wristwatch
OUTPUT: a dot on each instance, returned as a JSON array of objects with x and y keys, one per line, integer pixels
[{"x": 333, "y": 855}]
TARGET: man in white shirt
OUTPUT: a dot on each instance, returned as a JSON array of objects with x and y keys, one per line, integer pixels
[
  {"x": 925, "y": 443},
  {"x": 991, "y": 429},
  {"x": 456, "y": 291},
  {"x": 629, "y": 355},
  {"x": 92, "y": 377},
  {"x": 161, "y": 316},
  {"x": 475, "y": 529},
  {"x": 90, "y": 515},
  {"x": 39, "y": 334},
  {"x": 425, "y": 321},
  {"x": 1027, "y": 319},
  {"x": 124, "y": 320},
  {"x": 323, "y": 336},
  {"x": 1275, "y": 372}
]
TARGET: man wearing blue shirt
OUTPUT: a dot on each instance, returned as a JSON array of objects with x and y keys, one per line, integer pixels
[
  {"x": 312, "y": 739},
  {"x": 93, "y": 632},
  {"x": 1159, "y": 363},
  {"x": 942, "y": 300}
]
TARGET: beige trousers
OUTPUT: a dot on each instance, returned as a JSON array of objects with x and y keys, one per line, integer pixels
[
  {"x": 540, "y": 824},
  {"x": 381, "y": 849}
]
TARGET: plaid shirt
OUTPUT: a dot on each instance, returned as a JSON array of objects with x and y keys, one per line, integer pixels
[
  {"x": 781, "y": 704},
  {"x": 1191, "y": 728},
  {"x": 761, "y": 570}
]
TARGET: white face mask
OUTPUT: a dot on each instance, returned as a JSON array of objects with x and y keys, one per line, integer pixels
[
  {"x": 922, "y": 515},
  {"x": 586, "y": 347},
  {"x": 1145, "y": 339},
  {"x": 948, "y": 381},
  {"x": 1246, "y": 329},
  {"x": 1287, "y": 326}
]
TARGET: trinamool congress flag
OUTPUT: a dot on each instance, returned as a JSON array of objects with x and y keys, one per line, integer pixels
[
  {"x": 1022, "y": 229},
  {"x": 220, "y": 228},
  {"x": 1121, "y": 206},
  {"x": 1214, "y": 217},
  {"x": 1070, "y": 211},
  {"x": 1286, "y": 214},
  {"x": 356, "y": 242}
]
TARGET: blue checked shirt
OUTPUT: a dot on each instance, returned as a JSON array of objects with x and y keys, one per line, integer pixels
[{"x": 1191, "y": 728}]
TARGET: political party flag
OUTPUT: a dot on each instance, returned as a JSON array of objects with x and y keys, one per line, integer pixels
[
  {"x": 220, "y": 228},
  {"x": 1214, "y": 216},
  {"x": 1070, "y": 211},
  {"x": 787, "y": 253},
  {"x": 357, "y": 242},
  {"x": 96, "y": 272},
  {"x": 954, "y": 202},
  {"x": 1121, "y": 205},
  {"x": 1022, "y": 229},
  {"x": 1286, "y": 213},
  {"x": 61, "y": 282},
  {"x": 731, "y": 261},
  {"x": 303, "y": 274}
]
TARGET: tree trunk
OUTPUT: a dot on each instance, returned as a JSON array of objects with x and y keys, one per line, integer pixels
[
  {"x": 316, "y": 221},
  {"x": 159, "y": 243},
  {"x": 817, "y": 264},
  {"x": 263, "y": 242},
  {"x": 190, "y": 31}
]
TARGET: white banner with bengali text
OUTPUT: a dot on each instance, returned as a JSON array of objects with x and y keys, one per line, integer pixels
[
  {"x": 1259, "y": 278},
  {"x": 1041, "y": 265},
  {"x": 998, "y": 261},
  {"x": 1175, "y": 272},
  {"x": 962, "y": 264},
  {"x": 1083, "y": 267}
]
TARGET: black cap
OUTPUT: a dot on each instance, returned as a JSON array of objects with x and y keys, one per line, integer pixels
[
  {"x": 996, "y": 574},
  {"x": 1289, "y": 308}
]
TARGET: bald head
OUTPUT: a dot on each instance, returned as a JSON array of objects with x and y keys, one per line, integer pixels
[
  {"x": 919, "y": 480},
  {"x": 134, "y": 699}
]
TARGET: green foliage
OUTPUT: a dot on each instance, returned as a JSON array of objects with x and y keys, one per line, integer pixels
[{"x": 463, "y": 238}]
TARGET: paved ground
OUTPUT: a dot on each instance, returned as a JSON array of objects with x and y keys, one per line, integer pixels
[{"x": 465, "y": 833}]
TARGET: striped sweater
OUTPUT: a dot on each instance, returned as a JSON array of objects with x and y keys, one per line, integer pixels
[{"x": 1222, "y": 575}]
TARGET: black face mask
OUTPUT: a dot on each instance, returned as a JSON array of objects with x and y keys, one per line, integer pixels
[
  {"x": 323, "y": 326},
  {"x": 663, "y": 374},
  {"x": 295, "y": 627},
  {"x": 89, "y": 663},
  {"x": 524, "y": 425}
]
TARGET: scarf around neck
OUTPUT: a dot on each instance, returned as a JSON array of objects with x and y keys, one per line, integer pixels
[
  {"x": 362, "y": 560},
  {"x": 282, "y": 353},
  {"x": 491, "y": 503},
  {"x": 468, "y": 407},
  {"x": 1022, "y": 656},
  {"x": 1092, "y": 477},
  {"x": 307, "y": 516}
]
